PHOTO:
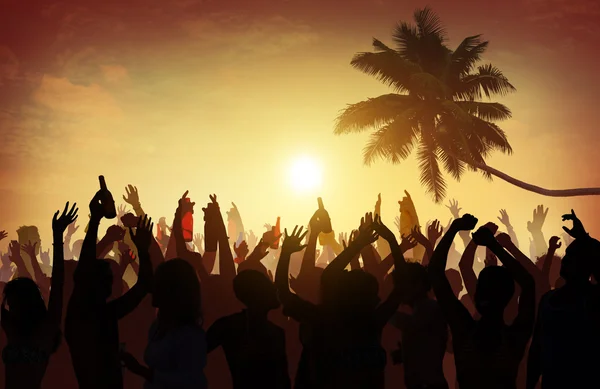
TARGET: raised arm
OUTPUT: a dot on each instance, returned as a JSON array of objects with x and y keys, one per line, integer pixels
[
  {"x": 553, "y": 245},
  {"x": 132, "y": 198},
  {"x": 467, "y": 260},
  {"x": 88, "y": 248},
  {"x": 55, "y": 301},
  {"x": 505, "y": 220},
  {"x": 131, "y": 299},
  {"x": 390, "y": 305},
  {"x": 456, "y": 314},
  {"x": 506, "y": 242},
  {"x": 113, "y": 234},
  {"x": 15, "y": 257},
  {"x": 526, "y": 315},
  {"x": 366, "y": 236},
  {"x": 535, "y": 228},
  {"x": 293, "y": 305},
  {"x": 226, "y": 263}
]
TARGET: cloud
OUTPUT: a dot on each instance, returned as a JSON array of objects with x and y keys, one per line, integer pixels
[
  {"x": 115, "y": 74},
  {"x": 64, "y": 97},
  {"x": 239, "y": 34}
]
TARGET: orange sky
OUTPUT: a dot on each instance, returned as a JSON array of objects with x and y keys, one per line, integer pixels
[{"x": 222, "y": 96}]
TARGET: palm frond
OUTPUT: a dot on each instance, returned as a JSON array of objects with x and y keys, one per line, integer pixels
[
  {"x": 426, "y": 85},
  {"x": 394, "y": 141},
  {"x": 380, "y": 46},
  {"x": 372, "y": 113},
  {"x": 431, "y": 176},
  {"x": 386, "y": 66},
  {"x": 406, "y": 38},
  {"x": 488, "y": 81},
  {"x": 492, "y": 136},
  {"x": 466, "y": 55},
  {"x": 485, "y": 111},
  {"x": 455, "y": 167},
  {"x": 429, "y": 24}
]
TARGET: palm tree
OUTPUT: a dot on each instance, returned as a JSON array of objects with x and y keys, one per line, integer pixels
[{"x": 436, "y": 106}]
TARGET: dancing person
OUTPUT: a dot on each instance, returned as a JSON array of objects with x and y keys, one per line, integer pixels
[
  {"x": 32, "y": 331},
  {"x": 91, "y": 324},
  {"x": 176, "y": 351}
]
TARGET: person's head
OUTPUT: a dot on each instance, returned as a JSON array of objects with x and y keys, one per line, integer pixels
[
  {"x": 176, "y": 292},
  {"x": 358, "y": 293},
  {"x": 97, "y": 282},
  {"x": 580, "y": 260},
  {"x": 414, "y": 283},
  {"x": 29, "y": 234},
  {"x": 455, "y": 280},
  {"x": 162, "y": 222},
  {"x": 129, "y": 220},
  {"x": 255, "y": 291},
  {"x": 26, "y": 308},
  {"x": 495, "y": 288}
]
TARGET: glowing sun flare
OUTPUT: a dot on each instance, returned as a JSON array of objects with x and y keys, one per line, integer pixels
[{"x": 305, "y": 175}]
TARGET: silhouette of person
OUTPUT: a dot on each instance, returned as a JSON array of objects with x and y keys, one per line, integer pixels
[
  {"x": 487, "y": 352},
  {"x": 424, "y": 331},
  {"x": 565, "y": 349},
  {"x": 342, "y": 336},
  {"x": 91, "y": 324},
  {"x": 32, "y": 331},
  {"x": 254, "y": 347},
  {"x": 176, "y": 352}
]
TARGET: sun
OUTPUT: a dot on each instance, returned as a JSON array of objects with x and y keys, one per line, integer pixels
[{"x": 305, "y": 175}]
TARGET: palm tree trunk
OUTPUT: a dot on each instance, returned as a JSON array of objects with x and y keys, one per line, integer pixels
[{"x": 536, "y": 189}]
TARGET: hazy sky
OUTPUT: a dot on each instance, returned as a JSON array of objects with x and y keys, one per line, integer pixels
[{"x": 221, "y": 96}]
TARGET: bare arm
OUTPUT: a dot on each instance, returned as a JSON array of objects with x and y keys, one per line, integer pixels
[{"x": 467, "y": 260}]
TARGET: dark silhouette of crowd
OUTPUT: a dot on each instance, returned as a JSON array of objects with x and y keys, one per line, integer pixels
[{"x": 168, "y": 309}]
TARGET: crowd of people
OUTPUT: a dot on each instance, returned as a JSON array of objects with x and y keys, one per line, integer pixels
[{"x": 161, "y": 308}]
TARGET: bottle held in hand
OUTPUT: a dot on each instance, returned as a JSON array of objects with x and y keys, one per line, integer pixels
[
  {"x": 187, "y": 224},
  {"x": 324, "y": 220},
  {"x": 107, "y": 201}
]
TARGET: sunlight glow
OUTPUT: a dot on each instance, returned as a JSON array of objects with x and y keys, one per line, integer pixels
[{"x": 305, "y": 175}]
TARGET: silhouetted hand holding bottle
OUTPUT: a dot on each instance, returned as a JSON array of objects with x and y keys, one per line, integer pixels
[{"x": 107, "y": 201}]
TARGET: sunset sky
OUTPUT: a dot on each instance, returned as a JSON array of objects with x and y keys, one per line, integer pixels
[{"x": 222, "y": 96}]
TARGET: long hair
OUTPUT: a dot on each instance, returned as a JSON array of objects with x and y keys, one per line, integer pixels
[
  {"x": 28, "y": 311},
  {"x": 177, "y": 292}
]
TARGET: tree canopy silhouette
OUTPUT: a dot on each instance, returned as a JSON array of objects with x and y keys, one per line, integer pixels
[{"x": 436, "y": 106}]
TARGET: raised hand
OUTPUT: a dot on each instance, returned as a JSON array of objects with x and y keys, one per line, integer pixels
[
  {"x": 14, "y": 248},
  {"x": 454, "y": 209},
  {"x": 143, "y": 234},
  {"x": 578, "y": 231},
  {"x": 252, "y": 239},
  {"x": 504, "y": 219},
  {"x": 554, "y": 243},
  {"x": 131, "y": 196},
  {"x": 382, "y": 230},
  {"x": 3, "y": 234},
  {"x": 242, "y": 250},
  {"x": 96, "y": 207},
  {"x": 293, "y": 243},
  {"x": 72, "y": 229},
  {"x": 434, "y": 232},
  {"x": 116, "y": 233},
  {"x": 504, "y": 239},
  {"x": 121, "y": 211},
  {"x": 417, "y": 236},
  {"x": 348, "y": 240},
  {"x": 484, "y": 237},
  {"x": 466, "y": 223},
  {"x": 539, "y": 217},
  {"x": 408, "y": 243},
  {"x": 30, "y": 249},
  {"x": 198, "y": 240},
  {"x": 492, "y": 227},
  {"x": 233, "y": 214},
  {"x": 188, "y": 206},
  {"x": 68, "y": 217},
  {"x": 45, "y": 256}
]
